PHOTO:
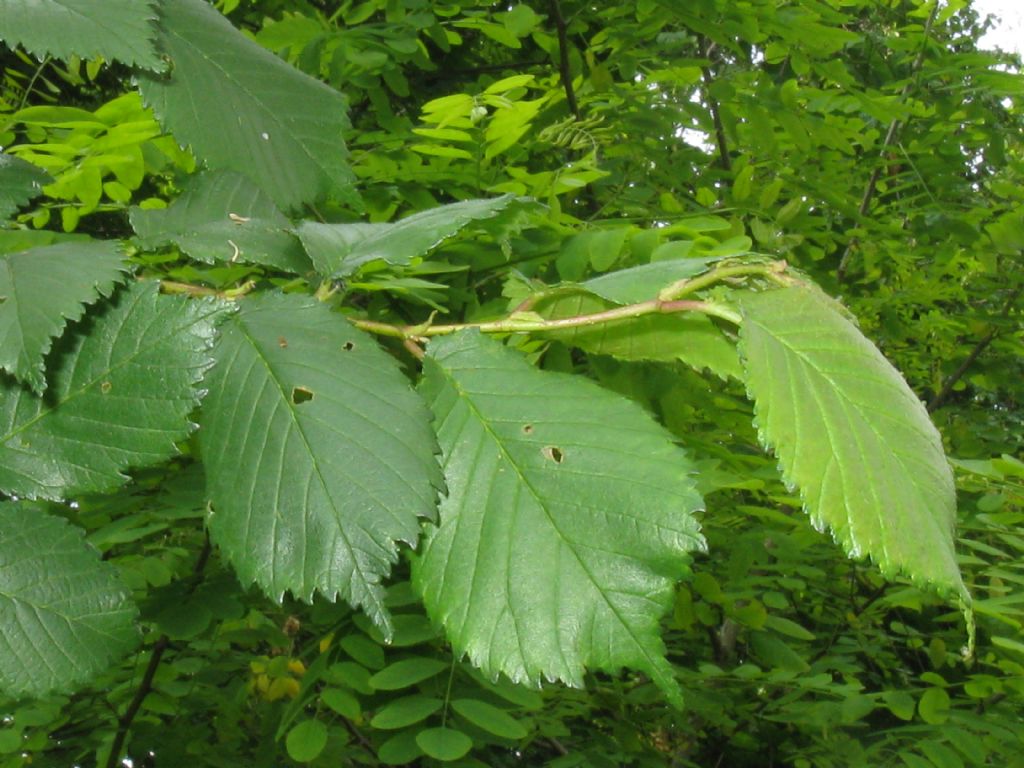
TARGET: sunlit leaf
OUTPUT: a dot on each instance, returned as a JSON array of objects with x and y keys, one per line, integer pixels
[
  {"x": 851, "y": 435},
  {"x": 567, "y": 507}
]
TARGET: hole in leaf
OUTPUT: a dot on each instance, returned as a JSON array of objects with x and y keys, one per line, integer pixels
[
  {"x": 105, "y": 387},
  {"x": 527, "y": 429},
  {"x": 282, "y": 342},
  {"x": 301, "y": 395},
  {"x": 553, "y": 453},
  {"x": 348, "y": 346}
]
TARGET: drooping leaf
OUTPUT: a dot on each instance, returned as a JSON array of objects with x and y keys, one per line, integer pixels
[
  {"x": 851, "y": 435},
  {"x": 243, "y": 109},
  {"x": 319, "y": 456},
  {"x": 65, "y": 614},
  {"x": 642, "y": 283},
  {"x": 223, "y": 216},
  {"x": 339, "y": 250},
  {"x": 567, "y": 520},
  {"x": 41, "y": 290},
  {"x": 119, "y": 30},
  {"x": 120, "y": 391},
  {"x": 19, "y": 182},
  {"x": 686, "y": 336}
]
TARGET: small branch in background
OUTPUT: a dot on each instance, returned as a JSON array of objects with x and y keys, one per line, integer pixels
[
  {"x": 32, "y": 83},
  {"x": 563, "y": 58},
  {"x": 716, "y": 114},
  {"x": 983, "y": 343},
  {"x": 124, "y": 723},
  {"x": 890, "y": 138}
]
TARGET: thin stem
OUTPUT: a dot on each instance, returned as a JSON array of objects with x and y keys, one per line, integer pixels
[
  {"x": 124, "y": 723},
  {"x": 668, "y": 301},
  {"x": 563, "y": 58},
  {"x": 32, "y": 83},
  {"x": 947, "y": 386},
  {"x": 890, "y": 137},
  {"x": 708, "y": 78}
]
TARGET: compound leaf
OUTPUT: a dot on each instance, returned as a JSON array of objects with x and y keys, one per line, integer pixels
[
  {"x": 223, "y": 216},
  {"x": 19, "y": 182},
  {"x": 319, "y": 456},
  {"x": 568, "y": 518},
  {"x": 43, "y": 288},
  {"x": 121, "y": 30},
  {"x": 339, "y": 250},
  {"x": 242, "y": 108},
  {"x": 121, "y": 387},
  {"x": 65, "y": 614},
  {"x": 851, "y": 435}
]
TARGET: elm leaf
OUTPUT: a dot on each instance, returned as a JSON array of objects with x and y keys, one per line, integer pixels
[
  {"x": 567, "y": 506},
  {"x": 120, "y": 391},
  {"x": 244, "y": 109},
  {"x": 851, "y": 435},
  {"x": 66, "y": 616},
  {"x": 121, "y": 30},
  {"x": 41, "y": 289},
  {"x": 319, "y": 456}
]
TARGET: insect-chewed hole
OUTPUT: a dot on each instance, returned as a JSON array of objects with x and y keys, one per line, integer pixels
[
  {"x": 527, "y": 429},
  {"x": 282, "y": 342},
  {"x": 105, "y": 387},
  {"x": 301, "y": 395},
  {"x": 553, "y": 453},
  {"x": 348, "y": 346}
]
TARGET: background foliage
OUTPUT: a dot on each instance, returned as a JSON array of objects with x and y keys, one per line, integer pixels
[{"x": 870, "y": 144}]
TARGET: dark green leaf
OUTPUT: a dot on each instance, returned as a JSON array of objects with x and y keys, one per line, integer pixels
[
  {"x": 319, "y": 456},
  {"x": 121, "y": 389},
  {"x": 64, "y": 612},
  {"x": 567, "y": 506},
  {"x": 19, "y": 181},
  {"x": 223, "y": 216},
  {"x": 636, "y": 284},
  {"x": 241, "y": 108},
  {"x": 121, "y": 30},
  {"x": 40, "y": 290},
  {"x": 339, "y": 250},
  {"x": 343, "y": 702}
]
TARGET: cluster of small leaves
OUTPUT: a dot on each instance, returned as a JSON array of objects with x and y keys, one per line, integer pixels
[{"x": 543, "y": 520}]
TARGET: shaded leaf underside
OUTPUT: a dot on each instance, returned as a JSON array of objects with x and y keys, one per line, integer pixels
[
  {"x": 20, "y": 181},
  {"x": 851, "y": 435}
]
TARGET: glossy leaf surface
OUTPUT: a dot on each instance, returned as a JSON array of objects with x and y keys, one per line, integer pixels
[
  {"x": 41, "y": 290},
  {"x": 319, "y": 456},
  {"x": 65, "y": 614},
  {"x": 567, "y": 507},
  {"x": 119, "y": 397},
  {"x": 851, "y": 435},
  {"x": 242, "y": 108}
]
